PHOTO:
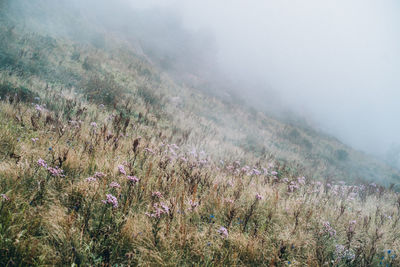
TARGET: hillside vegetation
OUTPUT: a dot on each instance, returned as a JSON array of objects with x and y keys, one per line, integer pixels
[{"x": 107, "y": 160}]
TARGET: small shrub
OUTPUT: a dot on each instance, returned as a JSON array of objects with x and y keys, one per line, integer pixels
[
  {"x": 16, "y": 93},
  {"x": 307, "y": 144},
  {"x": 148, "y": 96},
  {"x": 75, "y": 56},
  {"x": 295, "y": 137},
  {"x": 294, "y": 134},
  {"x": 6, "y": 60},
  {"x": 102, "y": 90},
  {"x": 341, "y": 154},
  {"x": 253, "y": 144},
  {"x": 88, "y": 64}
]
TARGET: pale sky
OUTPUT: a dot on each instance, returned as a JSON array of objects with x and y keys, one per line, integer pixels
[{"x": 335, "y": 61}]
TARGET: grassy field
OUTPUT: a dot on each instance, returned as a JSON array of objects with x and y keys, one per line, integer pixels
[{"x": 106, "y": 160}]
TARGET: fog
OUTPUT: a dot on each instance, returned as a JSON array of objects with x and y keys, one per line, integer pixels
[{"x": 334, "y": 62}]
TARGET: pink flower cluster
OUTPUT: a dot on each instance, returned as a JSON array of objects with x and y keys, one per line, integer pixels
[
  {"x": 156, "y": 194},
  {"x": 56, "y": 172},
  {"x": 132, "y": 179},
  {"x": 121, "y": 169},
  {"x": 259, "y": 197},
  {"x": 115, "y": 185},
  {"x": 39, "y": 107},
  {"x": 159, "y": 210},
  {"x": 292, "y": 186},
  {"x": 255, "y": 171},
  {"x": 223, "y": 232},
  {"x": 75, "y": 124},
  {"x": 4, "y": 197},
  {"x": 301, "y": 180},
  {"x": 245, "y": 169},
  {"x": 42, "y": 163},
  {"x": 97, "y": 175},
  {"x": 111, "y": 200},
  {"x": 149, "y": 150},
  {"x": 91, "y": 179},
  {"x": 229, "y": 200},
  {"x": 328, "y": 229}
]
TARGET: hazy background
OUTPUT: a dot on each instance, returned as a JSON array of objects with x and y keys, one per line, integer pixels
[{"x": 335, "y": 62}]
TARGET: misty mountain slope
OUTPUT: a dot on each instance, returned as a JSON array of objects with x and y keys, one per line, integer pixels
[
  {"x": 224, "y": 127},
  {"x": 107, "y": 158}
]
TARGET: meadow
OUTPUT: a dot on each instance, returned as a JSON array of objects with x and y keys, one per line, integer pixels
[
  {"x": 105, "y": 160},
  {"x": 84, "y": 185}
]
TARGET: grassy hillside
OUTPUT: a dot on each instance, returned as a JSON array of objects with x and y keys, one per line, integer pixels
[
  {"x": 106, "y": 160},
  {"x": 107, "y": 74}
]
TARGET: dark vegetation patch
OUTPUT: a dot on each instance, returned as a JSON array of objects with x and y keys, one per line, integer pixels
[
  {"x": 16, "y": 94},
  {"x": 103, "y": 90},
  {"x": 295, "y": 137}
]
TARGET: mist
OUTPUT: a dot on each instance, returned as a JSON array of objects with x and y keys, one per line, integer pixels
[{"x": 336, "y": 63}]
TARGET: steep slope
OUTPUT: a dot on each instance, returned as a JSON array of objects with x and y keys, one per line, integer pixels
[
  {"x": 106, "y": 160},
  {"x": 114, "y": 65}
]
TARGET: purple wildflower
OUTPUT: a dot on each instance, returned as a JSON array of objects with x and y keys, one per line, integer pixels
[
  {"x": 165, "y": 207},
  {"x": 133, "y": 179},
  {"x": 259, "y": 197},
  {"x": 38, "y": 107},
  {"x": 193, "y": 152},
  {"x": 174, "y": 146},
  {"x": 114, "y": 185},
  {"x": 158, "y": 211},
  {"x": 122, "y": 169},
  {"x": 223, "y": 232},
  {"x": 328, "y": 229},
  {"x": 111, "y": 200},
  {"x": 271, "y": 165},
  {"x": 42, "y": 163},
  {"x": 293, "y": 186},
  {"x": 254, "y": 171},
  {"x": 301, "y": 180},
  {"x": 228, "y": 200},
  {"x": 149, "y": 150},
  {"x": 91, "y": 179},
  {"x": 4, "y": 197},
  {"x": 156, "y": 194},
  {"x": 57, "y": 172},
  {"x": 99, "y": 175},
  {"x": 203, "y": 162}
]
